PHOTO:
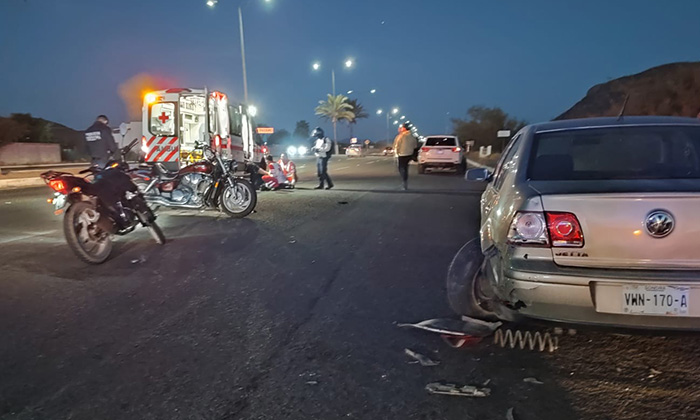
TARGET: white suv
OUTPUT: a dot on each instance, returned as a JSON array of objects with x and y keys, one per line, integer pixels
[{"x": 441, "y": 152}]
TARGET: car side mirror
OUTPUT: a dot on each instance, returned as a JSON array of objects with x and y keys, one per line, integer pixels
[{"x": 478, "y": 174}]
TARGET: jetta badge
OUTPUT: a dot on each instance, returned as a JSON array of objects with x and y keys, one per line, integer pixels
[{"x": 659, "y": 223}]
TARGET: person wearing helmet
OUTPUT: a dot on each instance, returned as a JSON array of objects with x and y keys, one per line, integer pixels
[
  {"x": 322, "y": 150},
  {"x": 404, "y": 148},
  {"x": 100, "y": 142}
]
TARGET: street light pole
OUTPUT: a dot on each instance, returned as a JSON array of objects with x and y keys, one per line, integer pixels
[
  {"x": 245, "y": 75},
  {"x": 333, "y": 80}
]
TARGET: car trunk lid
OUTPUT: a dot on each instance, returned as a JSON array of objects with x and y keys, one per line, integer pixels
[{"x": 630, "y": 230}]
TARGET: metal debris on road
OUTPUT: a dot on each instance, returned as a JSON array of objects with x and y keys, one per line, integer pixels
[
  {"x": 456, "y": 327},
  {"x": 509, "y": 414},
  {"x": 419, "y": 358},
  {"x": 456, "y": 390},
  {"x": 526, "y": 339},
  {"x": 533, "y": 381}
]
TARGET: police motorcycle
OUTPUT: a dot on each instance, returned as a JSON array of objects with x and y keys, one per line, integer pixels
[
  {"x": 208, "y": 183},
  {"x": 100, "y": 205}
]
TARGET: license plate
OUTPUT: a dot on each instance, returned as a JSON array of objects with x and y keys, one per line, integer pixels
[
  {"x": 655, "y": 300},
  {"x": 439, "y": 152}
]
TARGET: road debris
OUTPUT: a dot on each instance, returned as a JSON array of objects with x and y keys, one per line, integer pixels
[
  {"x": 526, "y": 339},
  {"x": 456, "y": 390},
  {"x": 343, "y": 202},
  {"x": 458, "y": 341},
  {"x": 509, "y": 414},
  {"x": 419, "y": 358},
  {"x": 456, "y": 327},
  {"x": 533, "y": 381},
  {"x": 293, "y": 241},
  {"x": 311, "y": 382},
  {"x": 653, "y": 372}
]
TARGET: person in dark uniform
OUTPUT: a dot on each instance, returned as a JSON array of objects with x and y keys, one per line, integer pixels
[
  {"x": 100, "y": 142},
  {"x": 323, "y": 150}
]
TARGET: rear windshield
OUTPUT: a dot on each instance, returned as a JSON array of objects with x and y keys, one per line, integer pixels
[
  {"x": 441, "y": 141},
  {"x": 652, "y": 152}
]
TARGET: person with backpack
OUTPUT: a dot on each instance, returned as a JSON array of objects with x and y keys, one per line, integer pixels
[{"x": 323, "y": 149}]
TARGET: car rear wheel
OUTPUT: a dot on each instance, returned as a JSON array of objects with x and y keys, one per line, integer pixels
[{"x": 465, "y": 283}]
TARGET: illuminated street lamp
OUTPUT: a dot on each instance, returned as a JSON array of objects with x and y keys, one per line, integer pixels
[
  {"x": 349, "y": 63},
  {"x": 373, "y": 91},
  {"x": 350, "y": 92},
  {"x": 394, "y": 111},
  {"x": 252, "y": 111}
]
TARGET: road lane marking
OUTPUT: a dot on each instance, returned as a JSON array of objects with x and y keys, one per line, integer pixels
[
  {"x": 371, "y": 161},
  {"x": 341, "y": 167}
]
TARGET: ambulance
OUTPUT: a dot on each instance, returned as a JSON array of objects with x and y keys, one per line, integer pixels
[{"x": 175, "y": 120}]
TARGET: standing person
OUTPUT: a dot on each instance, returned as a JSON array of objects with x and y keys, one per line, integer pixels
[
  {"x": 322, "y": 150},
  {"x": 100, "y": 142},
  {"x": 404, "y": 147}
]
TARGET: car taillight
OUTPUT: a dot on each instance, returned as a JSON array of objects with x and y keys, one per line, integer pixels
[
  {"x": 528, "y": 228},
  {"x": 424, "y": 149},
  {"x": 456, "y": 149},
  {"x": 217, "y": 141},
  {"x": 58, "y": 186},
  {"x": 564, "y": 229},
  {"x": 556, "y": 229}
]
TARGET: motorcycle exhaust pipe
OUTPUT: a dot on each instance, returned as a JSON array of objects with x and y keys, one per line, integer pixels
[{"x": 160, "y": 201}]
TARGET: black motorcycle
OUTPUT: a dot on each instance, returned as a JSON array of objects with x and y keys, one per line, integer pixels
[
  {"x": 100, "y": 205},
  {"x": 208, "y": 183}
]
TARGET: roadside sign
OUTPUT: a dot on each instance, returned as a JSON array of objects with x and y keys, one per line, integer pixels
[
  {"x": 367, "y": 142},
  {"x": 353, "y": 140},
  {"x": 503, "y": 133},
  {"x": 265, "y": 130}
]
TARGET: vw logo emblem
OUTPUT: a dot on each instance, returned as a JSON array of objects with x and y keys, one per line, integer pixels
[{"x": 659, "y": 223}]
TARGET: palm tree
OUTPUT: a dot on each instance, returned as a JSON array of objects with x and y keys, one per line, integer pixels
[
  {"x": 359, "y": 112},
  {"x": 335, "y": 108}
]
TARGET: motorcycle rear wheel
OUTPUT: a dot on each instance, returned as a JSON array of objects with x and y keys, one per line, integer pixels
[{"x": 87, "y": 241}]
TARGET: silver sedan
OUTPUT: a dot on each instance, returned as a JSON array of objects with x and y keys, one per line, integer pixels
[{"x": 593, "y": 221}]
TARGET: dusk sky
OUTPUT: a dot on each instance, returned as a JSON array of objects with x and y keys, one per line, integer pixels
[{"x": 64, "y": 60}]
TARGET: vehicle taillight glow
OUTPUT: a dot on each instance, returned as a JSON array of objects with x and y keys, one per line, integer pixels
[
  {"x": 424, "y": 149},
  {"x": 58, "y": 186},
  {"x": 217, "y": 140},
  {"x": 528, "y": 228},
  {"x": 456, "y": 149},
  {"x": 564, "y": 229},
  {"x": 144, "y": 149}
]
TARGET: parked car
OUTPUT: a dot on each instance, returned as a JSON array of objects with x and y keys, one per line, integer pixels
[
  {"x": 388, "y": 151},
  {"x": 441, "y": 152},
  {"x": 355, "y": 150},
  {"x": 589, "y": 221}
]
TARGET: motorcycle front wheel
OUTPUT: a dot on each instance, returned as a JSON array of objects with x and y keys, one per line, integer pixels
[
  {"x": 90, "y": 243},
  {"x": 239, "y": 198}
]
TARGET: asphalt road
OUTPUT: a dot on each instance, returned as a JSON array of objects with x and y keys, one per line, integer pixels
[{"x": 290, "y": 314}]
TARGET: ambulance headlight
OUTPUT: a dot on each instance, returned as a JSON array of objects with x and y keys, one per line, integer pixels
[
  {"x": 302, "y": 150},
  {"x": 291, "y": 151}
]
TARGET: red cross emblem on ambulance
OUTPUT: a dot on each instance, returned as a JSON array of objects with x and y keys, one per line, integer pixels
[{"x": 163, "y": 118}]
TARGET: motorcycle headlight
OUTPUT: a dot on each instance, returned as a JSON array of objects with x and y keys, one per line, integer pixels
[
  {"x": 209, "y": 154},
  {"x": 302, "y": 150},
  {"x": 291, "y": 150}
]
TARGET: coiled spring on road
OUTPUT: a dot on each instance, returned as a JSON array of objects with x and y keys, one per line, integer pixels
[{"x": 523, "y": 339}]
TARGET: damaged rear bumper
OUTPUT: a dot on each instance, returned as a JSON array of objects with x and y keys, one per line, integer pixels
[{"x": 568, "y": 296}]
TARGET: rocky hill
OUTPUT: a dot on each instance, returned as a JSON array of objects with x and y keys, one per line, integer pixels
[{"x": 671, "y": 89}]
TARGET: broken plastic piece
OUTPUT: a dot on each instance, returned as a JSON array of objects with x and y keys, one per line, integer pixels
[
  {"x": 509, "y": 414},
  {"x": 423, "y": 360},
  {"x": 448, "y": 326},
  {"x": 533, "y": 381},
  {"x": 456, "y": 341},
  {"x": 456, "y": 390}
]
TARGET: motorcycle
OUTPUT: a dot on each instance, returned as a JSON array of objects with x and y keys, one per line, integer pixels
[
  {"x": 208, "y": 183},
  {"x": 95, "y": 209}
]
